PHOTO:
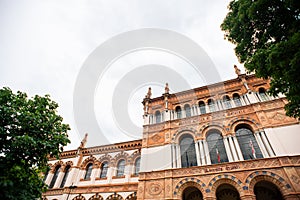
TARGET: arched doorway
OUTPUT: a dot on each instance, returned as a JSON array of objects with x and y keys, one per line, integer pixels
[
  {"x": 227, "y": 192},
  {"x": 192, "y": 193},
  {"x": 265, "y": 190}
]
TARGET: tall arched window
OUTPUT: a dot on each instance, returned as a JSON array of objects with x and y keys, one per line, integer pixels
[
  {"x": 216, "y": 147},
  {"x": 104, "y": 168},
  {"x": 211, "y": 105},
  {"x": 120, "y": 168},
  {"x": 157, "y": 117},
  {"x": 88, "y": 171},
  {"x": 63, "y": 182},
  {"x": 137, "y": 166},
  {"x": 202, "y": 107},
  {"x": 46, "y": 174},
  {"x": 55, "y": 175},
  {"x": 237, "y": 100},
  {"x": 262, "y": 94},
  {"x": 248, "y": 143},
  {"x": 187, "y": 151},
  {"x": 226, "y": 102},
  {"x": 178, "y": 112},
  {"x": 187, "y": 110}
]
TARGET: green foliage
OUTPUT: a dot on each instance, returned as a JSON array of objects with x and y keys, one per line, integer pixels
[
  {"x": 30, "y": 131},
  {"x": 267, "y": 38}
]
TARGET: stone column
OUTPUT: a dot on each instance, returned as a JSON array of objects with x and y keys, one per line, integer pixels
[
  {"x": 234, "y": 153},
  {"x": 197, "y": 154},
  {"x": 238, "y": 148},
  {"x": 228, "y": 151},
  {"x": 206, "y": 153},
  {"x": 261, "y": 145},
  {"x": 267, "y": 144},
  {"x": 178, "y": 156},
  {"x": 202, "y": 152}
]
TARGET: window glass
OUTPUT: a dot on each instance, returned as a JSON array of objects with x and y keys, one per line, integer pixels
[
  {"x": 202, "y": 107},
  {"x": 178, "y": 112},
  {"x": 226, "y": 102},
  {"x": 57, "y": 169},
  {"x": 211, "y": 105},
  {"x": 188, "y": 153},
  {"x": 157, "y": 117},
  {"x": 121, "y": 168},
  {"x": 137, "y": 166},
  {"x": 88, "y": 172},
  {"x": 104, "y": 169},
  {"x": 237, "y": 100},
  {"x": 63, "y": 182},
  {"x": 248, "y": 144},
  {"x": 187, "y": 110},
  {"x": 216, "y": 148}
]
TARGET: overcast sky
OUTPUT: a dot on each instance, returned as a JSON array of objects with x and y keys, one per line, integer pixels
[{"x": 44, "y": 44}]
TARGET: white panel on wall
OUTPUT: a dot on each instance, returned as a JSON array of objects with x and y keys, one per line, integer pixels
[
  {"x": 285, "y": 140},
  {"x": 156, "y": 158}
]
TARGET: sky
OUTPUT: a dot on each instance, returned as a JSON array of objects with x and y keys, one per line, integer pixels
[{"x": 48, "y": 47}]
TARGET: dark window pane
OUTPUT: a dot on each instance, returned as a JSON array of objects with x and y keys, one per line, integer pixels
[
  {"x": 121, "y": 168},
  {"x": 104, "y": 169},
  {"x": 57, "y": 169},
  {"x": 88, "y": 172},
  {"x": 216, "y": 148},
  {"x": 157, "y": 117},
  {"x": 67, "y": 169},
  {"x": 248, "y": 144},
  {"x": 137, "y": 166},
  {"x": 188, "y": 153}
]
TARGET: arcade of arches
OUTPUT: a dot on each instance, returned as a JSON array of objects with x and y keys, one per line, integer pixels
[{"x": 263, "y": 190}]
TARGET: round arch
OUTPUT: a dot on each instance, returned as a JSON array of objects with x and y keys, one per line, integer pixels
[
  {"x": 205, "y": 129},
  {"x": 79, "y": 197},
  {"x": 114, "y": 197},
  {"x": 255, "y": 177},
  {"x": 132, "y": 196},
  {"x": 136, "y": 154},
  {"x": 90, "y": 159},
  {"x": 225, "y": 179},
  {"x": 176, "y": 136},
  {"x": 118, "y": 157},
  {"x": 252, "y": 124},
  {"x": 96, "y": 197},
  {"x": 58, "y": 163},
  {"x": 188, "y": 182},
  {"x": 105, "y": 158}
]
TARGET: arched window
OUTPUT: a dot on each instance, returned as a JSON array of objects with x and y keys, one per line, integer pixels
[
  {"x": 56, "y": 172},
  {"x": 137, "y": 166},
  {"x": 262, "y": 94},
  {"x": 248, "y": 143},
  {"x": 104, "y": 168},
  {"x": 187, "y": 110},
  {"x": 226, "y": 102},
  {"x": 121, "y": 168},
  {"x": 63, "y": 182},
  {"x": 46, "y": 174},
  {"x": 216, "y": 147},
  {"x": 237, "y": 100},
  {"x": 187, "y": 151},
  {"x": 202, "y": 107},
  {"x": 211, "y": 105},
  {"x": 178, "y": 112},
  {"x": 88, "y": 171},
  {"x": 157, "y": 117}
]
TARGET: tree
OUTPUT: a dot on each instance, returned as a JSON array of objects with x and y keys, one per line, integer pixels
[
  {"x": 30, "y": 132},
  {"x": 267, "y": 38}
]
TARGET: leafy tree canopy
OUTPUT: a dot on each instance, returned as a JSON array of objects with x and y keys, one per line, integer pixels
[
  {"x": 267, "y": 38},
  {"x": 30, "y": 131}
]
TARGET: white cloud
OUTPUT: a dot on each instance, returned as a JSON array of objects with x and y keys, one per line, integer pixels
[{"x": 45, "y": 43}]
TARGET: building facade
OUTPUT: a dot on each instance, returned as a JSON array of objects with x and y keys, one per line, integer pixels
[{"x": 228, "y": 140}]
